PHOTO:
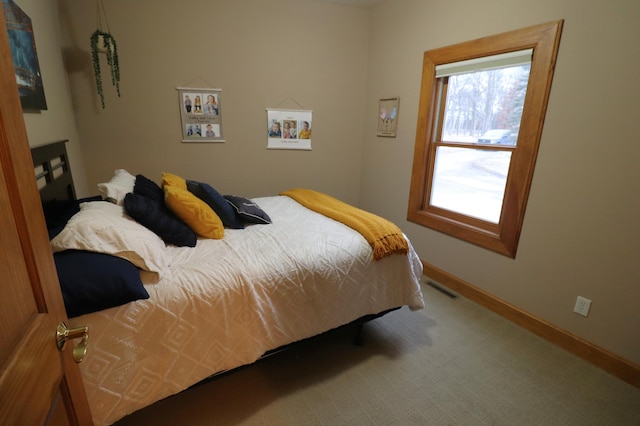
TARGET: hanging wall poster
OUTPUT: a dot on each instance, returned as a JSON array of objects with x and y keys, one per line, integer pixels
[
  {"x": 201, "y": 114},
  {"x": 289, "y": 129},
  {"x": 388, "y": 117},
  {"x": 25, "y": 57}
]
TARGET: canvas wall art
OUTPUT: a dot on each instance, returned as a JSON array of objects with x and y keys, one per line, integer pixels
[{"x": 25, "y": 57}]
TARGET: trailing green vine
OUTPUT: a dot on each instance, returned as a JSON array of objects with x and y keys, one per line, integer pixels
[{"x": 111, "y": 48}]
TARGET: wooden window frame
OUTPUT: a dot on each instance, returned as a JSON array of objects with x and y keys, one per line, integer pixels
[{"x": 502, "y": 237}]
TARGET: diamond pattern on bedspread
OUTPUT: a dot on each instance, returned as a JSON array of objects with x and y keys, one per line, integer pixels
[{"x": 225, "y": 303}]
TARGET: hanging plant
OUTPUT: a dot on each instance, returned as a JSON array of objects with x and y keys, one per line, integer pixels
[{"x": 110, "y": 47}]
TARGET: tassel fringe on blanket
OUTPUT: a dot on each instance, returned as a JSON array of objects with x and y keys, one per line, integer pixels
[{"x": 384, "y": 237}]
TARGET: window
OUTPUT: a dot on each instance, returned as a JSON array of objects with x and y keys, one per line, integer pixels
[{"x": 481, "y": 112}]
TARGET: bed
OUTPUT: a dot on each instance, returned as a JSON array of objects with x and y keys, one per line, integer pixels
[{"x": 288, "y": 274}]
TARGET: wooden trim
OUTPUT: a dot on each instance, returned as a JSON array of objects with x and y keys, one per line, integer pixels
[{"x": 613, "y": 364}]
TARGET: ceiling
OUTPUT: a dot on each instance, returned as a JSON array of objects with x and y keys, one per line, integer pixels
[{"x": 363, "y": 3}]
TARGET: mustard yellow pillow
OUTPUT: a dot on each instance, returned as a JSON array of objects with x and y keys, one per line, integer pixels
[
  {"x": 194, "y": 212},
  {"x": 169, "y": 179}
]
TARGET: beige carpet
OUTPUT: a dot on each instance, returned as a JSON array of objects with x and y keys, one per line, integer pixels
[{"x": 453, "y": 363}]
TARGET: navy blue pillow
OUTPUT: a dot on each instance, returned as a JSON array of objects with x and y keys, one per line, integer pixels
[
  {"x": 91, "y": 281},
  {"x": 57, "y": 213},
  {"x": 159, "y": 219},
  {"x": 217, "y": 202},
  {"x": 148, "y": 189},
  {"x": 247, "y": 210}
]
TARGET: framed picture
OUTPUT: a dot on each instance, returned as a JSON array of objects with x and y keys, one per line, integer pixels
[
  {"x": 25, "y": 57},
  {"x": 388, "y": 117},
  {"x": 289, "y": 129},
  {"x": 200, "y": 114}
]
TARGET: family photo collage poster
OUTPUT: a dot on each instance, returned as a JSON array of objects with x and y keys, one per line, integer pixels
[
  {"x": 289, "y": 129},
  {"x": 201, "y": 114}
]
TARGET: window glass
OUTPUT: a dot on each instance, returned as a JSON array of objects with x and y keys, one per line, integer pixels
[
  {"x": 481, "y": 108},
  {"x": 470, "y": 181},
  {"x": 485, "y": 106}
]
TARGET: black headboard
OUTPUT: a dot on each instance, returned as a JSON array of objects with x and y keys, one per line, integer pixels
[{"x": 53, "y": 174}]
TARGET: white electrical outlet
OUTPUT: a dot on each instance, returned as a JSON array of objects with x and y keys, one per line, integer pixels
[{"x": 582, "y": 306}]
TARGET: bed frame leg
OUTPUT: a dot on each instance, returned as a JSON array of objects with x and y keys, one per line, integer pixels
[{"x": 358, "y": 340}]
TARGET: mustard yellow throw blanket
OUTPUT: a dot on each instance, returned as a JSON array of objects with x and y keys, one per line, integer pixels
[{"x": 384, "y": 237}]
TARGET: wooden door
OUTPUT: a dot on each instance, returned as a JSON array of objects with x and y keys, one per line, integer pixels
[{"x": 38, "y": 384}]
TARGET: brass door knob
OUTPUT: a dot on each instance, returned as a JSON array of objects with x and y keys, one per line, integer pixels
[{"x": 64, "y": 334}]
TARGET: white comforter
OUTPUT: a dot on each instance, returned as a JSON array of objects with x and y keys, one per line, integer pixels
[{"x": 227, "y": 302}]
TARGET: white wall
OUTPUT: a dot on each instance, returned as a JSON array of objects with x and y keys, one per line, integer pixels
[
  {"x": 287, "y": 54},
  {"x": 581, "y": 231}
]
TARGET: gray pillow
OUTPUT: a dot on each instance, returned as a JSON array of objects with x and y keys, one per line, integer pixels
[{"x": 247, "y": 210}]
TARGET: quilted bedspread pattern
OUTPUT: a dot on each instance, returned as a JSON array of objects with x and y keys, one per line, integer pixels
[{"x": 226, "y": 302}]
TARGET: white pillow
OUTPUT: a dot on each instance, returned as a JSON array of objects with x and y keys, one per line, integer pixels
[
  {"x": 103, "y": 227},
  {"x": 120, "y": 185}
]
